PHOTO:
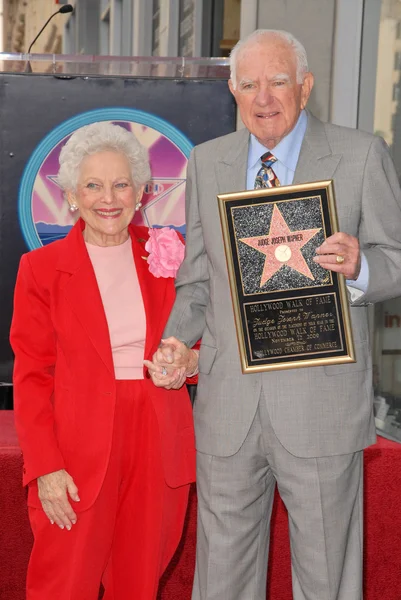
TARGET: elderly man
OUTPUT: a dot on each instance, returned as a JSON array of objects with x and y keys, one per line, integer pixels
[{"x": 302, "y": 429}]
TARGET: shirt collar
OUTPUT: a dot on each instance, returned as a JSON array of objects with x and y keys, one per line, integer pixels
[{"x": 287, "y": 151}]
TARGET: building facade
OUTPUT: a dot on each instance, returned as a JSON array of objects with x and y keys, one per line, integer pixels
[{"x": 124, "y": 27}]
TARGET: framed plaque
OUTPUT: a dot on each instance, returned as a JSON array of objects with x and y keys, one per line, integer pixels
[{"x": 289, "y": 311}]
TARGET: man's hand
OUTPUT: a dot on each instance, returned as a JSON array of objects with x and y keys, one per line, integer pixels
[
  {"x": 52, "y": 491},
  {"x": 172, "y": 361},
  {"x": 337, "y": 247}
]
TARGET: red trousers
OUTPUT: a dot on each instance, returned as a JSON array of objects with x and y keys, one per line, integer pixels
[{"x": 129, "y": 535}]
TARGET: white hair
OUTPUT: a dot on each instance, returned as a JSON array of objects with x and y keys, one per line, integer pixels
[
  {"x": 259, "y": 35},
  {"x": 99, "y": 137}
]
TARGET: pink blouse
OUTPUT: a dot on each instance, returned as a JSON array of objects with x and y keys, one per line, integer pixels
[{"x": 119, "y": 288}]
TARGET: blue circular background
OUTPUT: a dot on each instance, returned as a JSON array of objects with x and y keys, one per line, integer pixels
[{"x": 68, "y": 127}]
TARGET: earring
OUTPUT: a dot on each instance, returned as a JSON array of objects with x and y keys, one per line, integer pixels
[
  {"x": 73, "y": 208},
  {"x": 138, "y": 206}
]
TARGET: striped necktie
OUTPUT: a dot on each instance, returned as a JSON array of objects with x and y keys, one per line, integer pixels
[{"x": 266, "y": 177}]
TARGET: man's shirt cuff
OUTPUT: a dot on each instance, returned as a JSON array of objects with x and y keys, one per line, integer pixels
[{"x": 358, "y": 287}]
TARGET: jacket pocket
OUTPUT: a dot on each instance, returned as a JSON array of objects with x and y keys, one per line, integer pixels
[
  {"x": 362, "y": 361},
  {"x": 207, "y": 356}
]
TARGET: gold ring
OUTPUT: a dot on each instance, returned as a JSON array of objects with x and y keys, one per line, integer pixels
[{"x": 339, "y": 259}]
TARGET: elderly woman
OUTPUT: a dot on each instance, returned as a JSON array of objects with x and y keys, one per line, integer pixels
[{"x": 108, "y": 457}]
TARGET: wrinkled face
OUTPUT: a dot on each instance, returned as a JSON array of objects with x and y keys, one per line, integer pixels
[
  {"x": 267, "y": 93},
  {"x": 106, "y": 197}
]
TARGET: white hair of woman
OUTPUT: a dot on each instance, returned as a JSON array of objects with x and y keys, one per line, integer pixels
[
  {"x": 99, "y": 137},
  {"x": 259, "y": 35}
]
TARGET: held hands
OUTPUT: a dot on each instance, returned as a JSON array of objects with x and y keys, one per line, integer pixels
[
  {"x": 171, "y": 364},
  {"x": 53, "y": 489},
  {"x": 340, "y": 253}
]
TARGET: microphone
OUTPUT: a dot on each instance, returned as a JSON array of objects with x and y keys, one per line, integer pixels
[{"x": 66, "y": 8}]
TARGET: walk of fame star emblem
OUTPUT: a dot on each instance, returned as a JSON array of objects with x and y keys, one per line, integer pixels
[{"x": 281, "y": 246}]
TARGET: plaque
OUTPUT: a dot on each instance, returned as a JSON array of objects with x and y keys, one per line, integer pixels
[{"x": 289, "y": 311}]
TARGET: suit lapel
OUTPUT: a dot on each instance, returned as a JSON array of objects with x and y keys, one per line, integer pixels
[
  {"x": 153, "y": 290},
  {"x": 231, "y": 168},
  {"x": 82, "y": 293},
  {"x": 316, "y": 161}
]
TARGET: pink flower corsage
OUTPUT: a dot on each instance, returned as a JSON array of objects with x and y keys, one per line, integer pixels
[{"x": 166, "y": 252}]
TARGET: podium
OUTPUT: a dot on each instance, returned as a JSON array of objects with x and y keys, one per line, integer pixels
[{"x": 382, "y": 539}]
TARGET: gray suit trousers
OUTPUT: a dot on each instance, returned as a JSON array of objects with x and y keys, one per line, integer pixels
[{"x": 323, "y": 497}]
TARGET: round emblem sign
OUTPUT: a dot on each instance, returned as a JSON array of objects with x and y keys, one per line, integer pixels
[{"x": 43, "y": 212}]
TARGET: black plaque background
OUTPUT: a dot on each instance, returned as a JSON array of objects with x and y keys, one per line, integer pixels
[
  {"x": 290, "y": 294},
  {"x": 32, "y": 105}
]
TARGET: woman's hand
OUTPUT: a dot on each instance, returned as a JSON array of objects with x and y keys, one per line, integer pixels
[
  {"x": 167, "y": 377},
  {"x": 53, "y": 489},
  {"x": 172, "y": 362}
]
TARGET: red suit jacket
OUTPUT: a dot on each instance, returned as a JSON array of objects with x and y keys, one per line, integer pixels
[{"x": 64, "y": 385}]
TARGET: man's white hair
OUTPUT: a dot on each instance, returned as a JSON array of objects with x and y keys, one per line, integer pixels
[
  {"x": 258, "y": 36},
  {"x": 99, "y": 137}
]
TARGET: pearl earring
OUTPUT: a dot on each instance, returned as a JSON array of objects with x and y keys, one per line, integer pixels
[
  {"x": 138, "y": 206},
  {"x": 73, "y": 208}
]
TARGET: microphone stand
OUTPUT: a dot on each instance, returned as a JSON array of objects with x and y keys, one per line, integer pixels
[{"x": 28, "y": 68}]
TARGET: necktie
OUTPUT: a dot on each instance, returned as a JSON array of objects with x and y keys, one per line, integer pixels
[{"x": 266, "y": 177}]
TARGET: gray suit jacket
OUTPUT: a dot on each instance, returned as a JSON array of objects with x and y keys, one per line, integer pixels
[{"x": 317, "y": 411}]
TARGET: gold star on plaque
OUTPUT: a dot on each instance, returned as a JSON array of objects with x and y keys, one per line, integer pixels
[{"x": 282, "y": 247}]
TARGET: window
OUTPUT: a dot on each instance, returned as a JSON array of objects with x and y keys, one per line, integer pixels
[
  {"x": 156, "y": 28},
  {"x": 126, "y": 28},
  {"x": 393, "y": 122},
  {"x": 186, "y": 28},
  {"x": 383, "y": 57},
  {"x": 87, "y": 13},
  {"x": 104, "y": 40},
  {"x": 70, "y": 34}
]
